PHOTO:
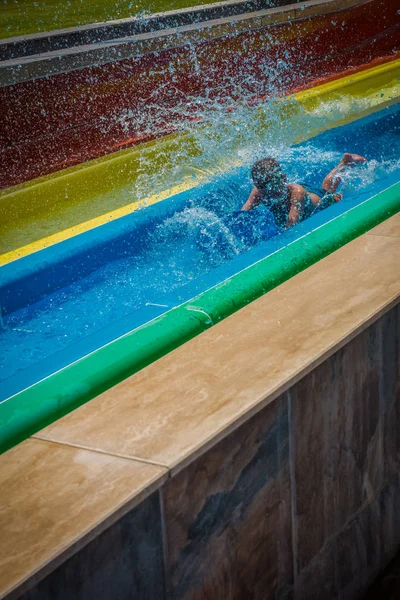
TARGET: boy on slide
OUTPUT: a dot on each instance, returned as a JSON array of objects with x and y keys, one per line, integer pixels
[{"x": 291, "y": 203}]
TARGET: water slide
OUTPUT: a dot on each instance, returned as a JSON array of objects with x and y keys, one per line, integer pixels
[{"x": 109, "y": 264}]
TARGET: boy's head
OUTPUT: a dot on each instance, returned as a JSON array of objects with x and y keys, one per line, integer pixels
[{"x": 267, "y": 176}]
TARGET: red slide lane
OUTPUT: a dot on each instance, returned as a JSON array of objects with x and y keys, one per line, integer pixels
[{"x": 56, "y": 122}]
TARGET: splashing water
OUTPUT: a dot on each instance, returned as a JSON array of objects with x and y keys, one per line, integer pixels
[
  {"x": 211, "y": 233},
  {"x": 223, "y": 133},
  {"x": 200, "y": 241}
]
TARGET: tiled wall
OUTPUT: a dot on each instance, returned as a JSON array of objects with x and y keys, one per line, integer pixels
[
  {"x": 302, "y": 501},
  {"x": 228, "y": 515},
  {"x": 344, "y": 423}
]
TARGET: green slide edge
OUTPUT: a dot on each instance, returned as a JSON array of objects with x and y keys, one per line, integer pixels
[{"x": 41, "y": 404}]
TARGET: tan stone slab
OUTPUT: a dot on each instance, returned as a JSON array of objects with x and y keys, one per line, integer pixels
[
  {"x": 390, "y": 227},
  {"x": 54, "y": 499},
  {"x": 174, "y": 409}
]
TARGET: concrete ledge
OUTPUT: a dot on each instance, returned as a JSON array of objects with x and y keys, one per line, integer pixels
[
  {"x": 64, "y": 498},
  {"x": 279, "y": 429}
]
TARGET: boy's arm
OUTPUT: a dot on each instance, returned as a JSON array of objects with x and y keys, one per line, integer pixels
[
  {"x": 253, "y": 200},
  {"x": 332, "y": 180},
  {"x": 297, "y": 201}
]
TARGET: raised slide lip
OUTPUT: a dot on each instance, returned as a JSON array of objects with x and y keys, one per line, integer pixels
[
  {"x": 367, "y": 84},
  {"x": 28, "y": 411},
  {"x": 99, "y": 32}
]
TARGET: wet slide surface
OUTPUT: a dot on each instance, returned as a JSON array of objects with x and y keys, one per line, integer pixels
[
  {"x": 78, "y": 115},
  {"x": 163, "y": 255}
]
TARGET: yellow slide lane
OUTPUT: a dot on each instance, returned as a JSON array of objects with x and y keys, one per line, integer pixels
[{"x": 50, "y": 209}]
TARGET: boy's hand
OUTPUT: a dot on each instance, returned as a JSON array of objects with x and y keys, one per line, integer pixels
[{"x": 352, "y": 159}]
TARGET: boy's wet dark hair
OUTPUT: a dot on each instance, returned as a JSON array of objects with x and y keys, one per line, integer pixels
[{"x": 266, "y": 172}]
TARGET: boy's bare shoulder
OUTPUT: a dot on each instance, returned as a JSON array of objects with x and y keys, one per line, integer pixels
[
  {"x": 296, "y": 187},
  {"x": 297, "y": 191}
]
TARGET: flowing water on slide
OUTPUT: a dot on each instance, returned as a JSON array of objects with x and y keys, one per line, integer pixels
[{"x": 199, "y": 244}]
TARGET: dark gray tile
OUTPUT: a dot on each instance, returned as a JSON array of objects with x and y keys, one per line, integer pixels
[
  {"x": 319, "y": 580},
  {"x": 369, "y": 542},
  {"x": 337, "y": 442},
  {"x": 387, "y": 585},
  {"x": 346, "y": 566},
  {"x": 228, "y": 516},
  {"x": 390, "y": 390},
  {"x": 124, "y": 562}
]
